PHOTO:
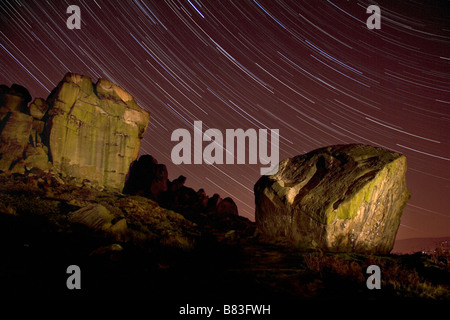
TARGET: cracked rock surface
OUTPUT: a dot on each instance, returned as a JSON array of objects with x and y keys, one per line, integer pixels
[{"x": 344, "y": 198}]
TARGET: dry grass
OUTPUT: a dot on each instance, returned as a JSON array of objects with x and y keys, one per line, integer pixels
[
  {"x": 441, "y": 255},
  {"x": 409, "y": 276}
]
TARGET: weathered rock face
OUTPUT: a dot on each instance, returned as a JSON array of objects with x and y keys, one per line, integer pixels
[
  {"x": 15, "y": 125},
  {"x": 15, "y": 130},
  {"x": 94, "y": 132},
  {"x": 345, "y": 198},
  {"x": 82, "y": 130}
]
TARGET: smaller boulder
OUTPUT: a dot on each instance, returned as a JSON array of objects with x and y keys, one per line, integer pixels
[
  {"x": 146, "y": 178},
  {"x": 38, "y": 108},
  {"x": 343, "y": 198},
  {"x": 93, "y": 216},
  {"x": 227, "y": 207}
]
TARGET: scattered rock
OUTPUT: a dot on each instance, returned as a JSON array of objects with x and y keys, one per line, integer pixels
[
  {"x": 111, "y": 252},
  {"x": 340, "y": 198},
  {"x": 93, "y": 216},
  {"x": 227, "y": 207},
  {"x": 120, "y": 229}
]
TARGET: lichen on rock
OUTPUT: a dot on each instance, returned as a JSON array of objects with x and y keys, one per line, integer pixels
[
  {"x": 92, "y": 131},
  {"x": 338, "y": 198},
  {"x": 83, "y": 130}
]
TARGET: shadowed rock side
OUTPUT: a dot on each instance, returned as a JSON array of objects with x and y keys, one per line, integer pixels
[
  {"x": 346, "y": 198},
  {"x": 149, "y": 179},
  {"x": 15, "y": 125},
  {"x": 82, "y": 130}
]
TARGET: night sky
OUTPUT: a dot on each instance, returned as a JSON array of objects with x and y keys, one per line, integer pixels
[{"x": 311, "y": 69}]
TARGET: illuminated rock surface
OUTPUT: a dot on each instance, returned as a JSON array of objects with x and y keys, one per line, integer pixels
[
  {"x": 82, "y": 130},
  {"x": 94, "y": 132},
  {"x": 346, "y": 198}
]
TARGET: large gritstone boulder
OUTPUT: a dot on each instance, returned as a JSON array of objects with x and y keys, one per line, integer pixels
[
  {"x": 343, "y": 198},
  {"x": 94, "y": 131},
  {"x": 82, "y": 130}
]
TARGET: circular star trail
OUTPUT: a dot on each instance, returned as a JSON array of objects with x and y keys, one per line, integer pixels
[{"x": 311, "y": 69}]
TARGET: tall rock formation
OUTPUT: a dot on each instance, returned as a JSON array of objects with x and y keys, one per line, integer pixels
[
  {"x": 346, "y": 198},
  {"x": 94, "y": 131},
  {"x": 83, "y": 130}
]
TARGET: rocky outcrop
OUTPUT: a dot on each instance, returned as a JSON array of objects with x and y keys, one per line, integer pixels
[
  {"x": 94, "y": 132},
  {"x": 146, "y": 178},
  {"x": 82, "y": 130},
  {"x": 340, "y": 198},
  {"x": 149, "y": 179},
  {"x": 54, "y": 204}
]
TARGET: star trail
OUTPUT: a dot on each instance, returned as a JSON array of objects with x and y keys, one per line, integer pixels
[{"x": 311, "y": 69}]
